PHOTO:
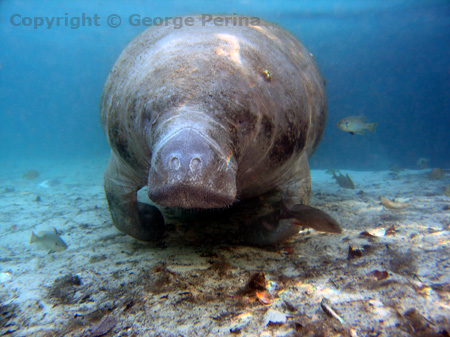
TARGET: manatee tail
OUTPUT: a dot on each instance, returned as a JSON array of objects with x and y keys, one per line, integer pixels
[{"x": 371, "y": 127}]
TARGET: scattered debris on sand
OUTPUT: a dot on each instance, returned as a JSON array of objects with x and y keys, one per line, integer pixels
[
  {"x": 386, "y": 274},
  {"x": 393, "y": 204}
]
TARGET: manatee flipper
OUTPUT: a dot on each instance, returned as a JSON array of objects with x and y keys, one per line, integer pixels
[
  {"x": 298, "y": 189},
  {"x": 141, "y": 221},
  {"x": 291, "y": 213},
  {"x": 280, "y": 225},
  {"x": 307, "y": 216},
  {"x": 268, "y": 230}
]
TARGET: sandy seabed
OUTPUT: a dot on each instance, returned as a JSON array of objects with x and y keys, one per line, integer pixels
[{"x": 388, "y": 274}]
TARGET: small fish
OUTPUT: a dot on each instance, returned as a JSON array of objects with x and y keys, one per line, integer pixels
[
  {"x": 396, "y": 168},
  {"x": 30, "y": 174},
  {"x": 393, "y": 204},
  {"x": 436, "y": 174},
  {"x": 332, "y": 171},
  {"x": 356, "y": 125},
  {"x": 422, "y": 162},
  {"x": 49, "y": 240},
  {"x": 447, "y": 191},
  {"x": 50, "y": 183},
  {"x": 344, "y": 181}
]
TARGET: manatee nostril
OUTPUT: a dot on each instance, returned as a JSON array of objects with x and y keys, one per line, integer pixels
[
  {"x": 195, "y": 163},
  {"x": 174, "y": 163}
]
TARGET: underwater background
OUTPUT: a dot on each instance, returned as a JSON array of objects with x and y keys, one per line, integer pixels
[{"x": 386, "y": 60}]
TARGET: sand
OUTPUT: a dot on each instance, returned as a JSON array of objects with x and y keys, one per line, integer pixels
[{"x": 387, "y": 274}]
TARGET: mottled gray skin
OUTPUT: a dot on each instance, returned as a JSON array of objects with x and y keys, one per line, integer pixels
[{"x": 208, "y": 115}]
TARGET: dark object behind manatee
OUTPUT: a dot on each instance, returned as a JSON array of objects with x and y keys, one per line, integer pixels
[{"x": 210, "y": 116}]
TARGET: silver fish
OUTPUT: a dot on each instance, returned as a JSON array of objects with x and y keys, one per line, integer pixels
[
  {"x": 356, "y": 125},
  {"x": 344, "y": 181},
  {"x": 49, "y": 240}
]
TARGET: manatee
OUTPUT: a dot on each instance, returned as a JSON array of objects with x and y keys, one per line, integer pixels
[{"x": 210, "y": 117}]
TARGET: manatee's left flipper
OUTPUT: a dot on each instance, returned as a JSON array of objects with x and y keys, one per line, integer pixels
[{"x": 298, "y": 189}]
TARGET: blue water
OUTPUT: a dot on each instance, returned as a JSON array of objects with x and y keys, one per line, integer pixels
[{"x": 388, "y": 61}]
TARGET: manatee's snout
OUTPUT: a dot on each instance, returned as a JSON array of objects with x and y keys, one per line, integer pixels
[{"x": 189, "y": 170}]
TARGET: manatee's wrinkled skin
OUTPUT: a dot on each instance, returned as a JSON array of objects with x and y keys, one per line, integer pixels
[{"x": 208, "y": 116}]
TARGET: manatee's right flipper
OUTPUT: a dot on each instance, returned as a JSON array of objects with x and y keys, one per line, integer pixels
[
  {"x": 307, "y": 216},
  {"x": 141, "y": 221},
  {"x": 279, "y": 225},
  {"x": 268, "y": 230},
  {"x": 298, "y": 189}
]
